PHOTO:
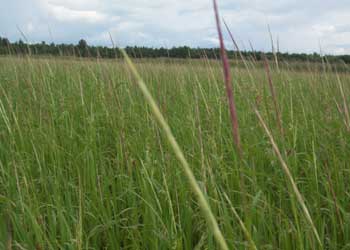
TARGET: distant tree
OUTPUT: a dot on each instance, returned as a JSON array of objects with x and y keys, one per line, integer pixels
[{"x": 82, "y": 48}]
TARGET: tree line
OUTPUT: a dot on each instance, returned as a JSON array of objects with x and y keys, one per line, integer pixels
[{"x": 82, "y": 49}]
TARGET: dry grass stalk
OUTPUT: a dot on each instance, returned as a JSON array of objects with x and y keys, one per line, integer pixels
[
  {"x": 274, "y": 97},
  {"x": 238, "y": 50},
  {"x": 241, "y": 223},
  {"x": 289, "y": 176},
  {"x": 345, "y": 106},
  {"x": 202, "y": 201},
  {"x": 273, "y": 48}
]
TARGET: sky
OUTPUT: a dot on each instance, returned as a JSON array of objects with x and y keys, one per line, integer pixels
[{"x": 299, "y": 25}]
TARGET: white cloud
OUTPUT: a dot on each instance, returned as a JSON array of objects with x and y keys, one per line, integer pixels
[
  {"x": 64, "y": 14},
  {"x": 213, "y": 40},
  {"x": 299, "y": 24},
  {"x": 30, "y": 27},
  {"x": 322, "y": 30}
]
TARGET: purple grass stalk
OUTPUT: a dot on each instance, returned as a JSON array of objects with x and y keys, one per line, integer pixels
[
  {"x": 274, "y": 98},
  {"x": 228, "y": 84}
]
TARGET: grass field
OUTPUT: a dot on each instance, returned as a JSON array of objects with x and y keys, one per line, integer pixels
[{"x": 85, "y": 165}]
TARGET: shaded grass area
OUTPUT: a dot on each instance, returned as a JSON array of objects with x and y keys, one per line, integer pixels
[{"x": 84, "y": 165}]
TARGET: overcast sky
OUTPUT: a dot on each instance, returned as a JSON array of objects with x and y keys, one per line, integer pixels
[{"x": 301, "y": 25}]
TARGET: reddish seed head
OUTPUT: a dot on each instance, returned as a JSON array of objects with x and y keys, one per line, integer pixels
[{"x": 228, "y": 84}]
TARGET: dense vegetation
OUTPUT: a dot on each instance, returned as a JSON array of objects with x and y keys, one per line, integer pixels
[
  {"x": 82, "y": 49},
  {"x": 84, "y": 165}
]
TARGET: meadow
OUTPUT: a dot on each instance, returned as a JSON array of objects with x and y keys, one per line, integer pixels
[{"x": 85, "y": 165}]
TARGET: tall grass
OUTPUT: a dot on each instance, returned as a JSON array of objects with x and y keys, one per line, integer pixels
[
  {"x": 203, "y": 203},
  {"x": 84, "y": 164},
  {"x": 289, "y": 176}
]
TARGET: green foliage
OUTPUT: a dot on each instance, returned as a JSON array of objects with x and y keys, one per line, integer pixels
[
  {"x": 82, "y": 49},
  {"x": 84, "y": 165}
]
